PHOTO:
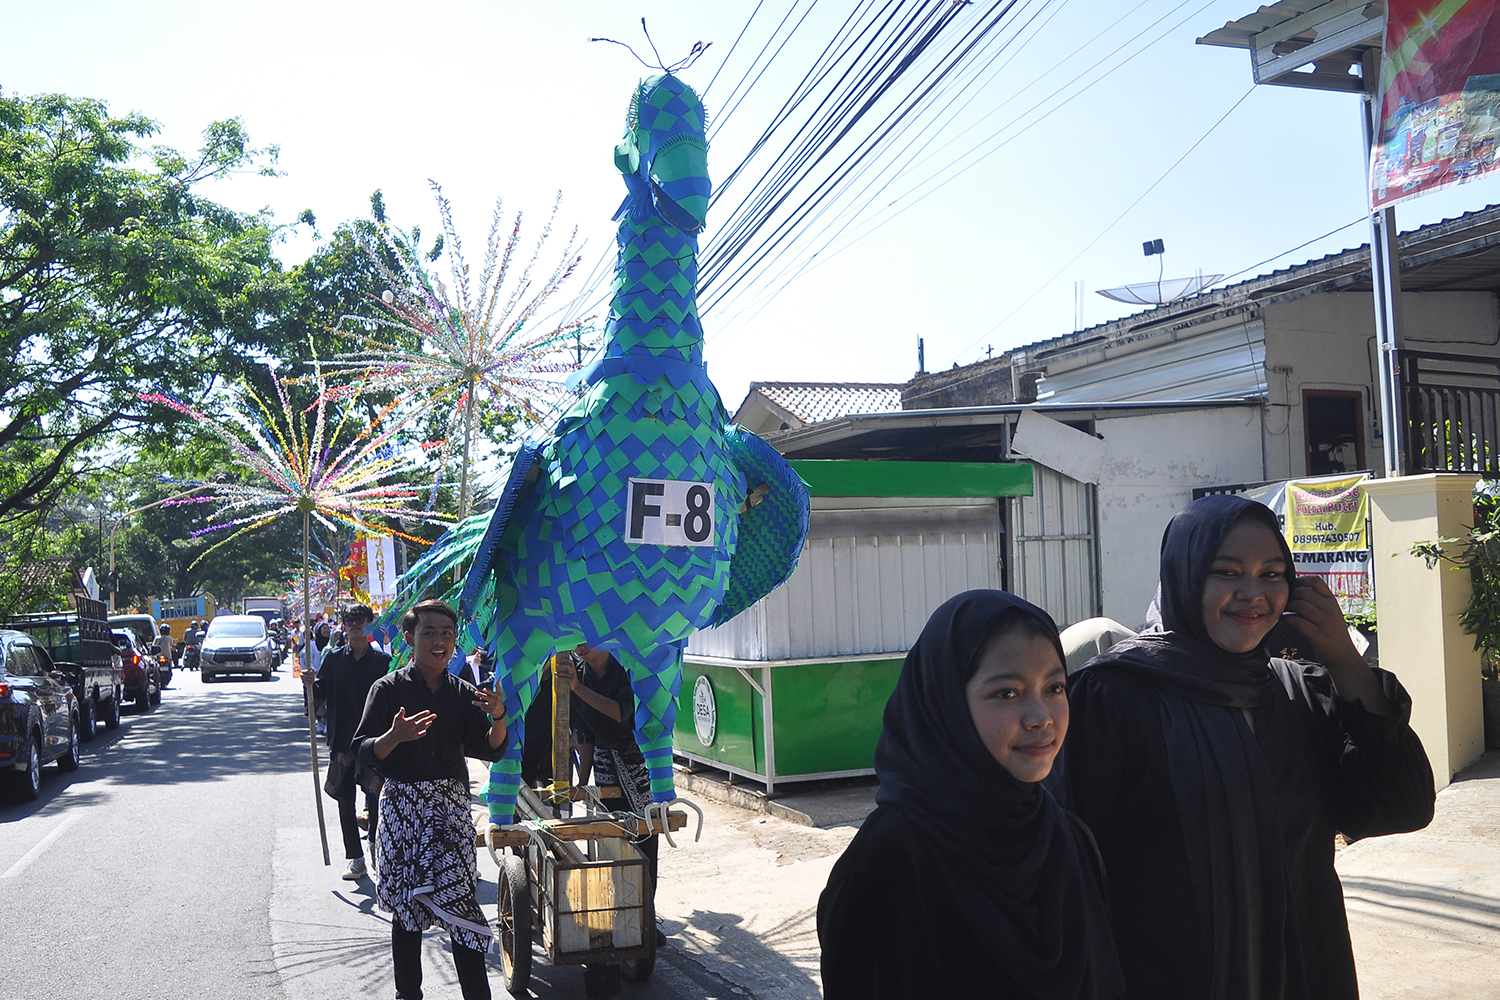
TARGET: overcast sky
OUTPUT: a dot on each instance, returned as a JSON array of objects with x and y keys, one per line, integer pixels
[{"x": 510, "y": 100}]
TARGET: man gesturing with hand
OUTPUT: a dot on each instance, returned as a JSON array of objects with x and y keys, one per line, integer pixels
[{"x": 419, "y": 724}]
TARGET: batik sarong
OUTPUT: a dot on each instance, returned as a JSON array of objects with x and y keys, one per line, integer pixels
[
  {"x": 427, "y": 865},
  {"x": 628, "y": 772}
]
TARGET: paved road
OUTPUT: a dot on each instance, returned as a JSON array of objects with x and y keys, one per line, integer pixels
[{"x": 182, "y": 859}]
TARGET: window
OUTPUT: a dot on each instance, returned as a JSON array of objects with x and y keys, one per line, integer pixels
[
  {"x": 1335, "y": 431},
  {"x": 21, "y": 662}
]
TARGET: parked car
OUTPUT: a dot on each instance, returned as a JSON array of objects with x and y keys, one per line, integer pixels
[
  {"x": 80, "y": 646},
  {"x": 142, "y": 680},
  {"x": 144, "y": 626},
  {"x": 146, "y": 631},
  {"x": 237, "y": 644},
  {"x": 38, "y": 714}
]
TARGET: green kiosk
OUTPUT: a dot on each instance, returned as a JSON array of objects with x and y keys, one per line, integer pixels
[{"x": 794, "y": 688}]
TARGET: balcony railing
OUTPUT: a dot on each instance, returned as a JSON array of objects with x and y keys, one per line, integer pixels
[{"x": 1452, "y": 412}]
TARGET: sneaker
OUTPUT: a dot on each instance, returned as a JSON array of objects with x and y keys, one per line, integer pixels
[{"x": 355, "y": 870}]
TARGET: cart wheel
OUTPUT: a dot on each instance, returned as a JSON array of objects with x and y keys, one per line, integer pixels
[
  {"x": 514, "y": 926},
  {"x": 638, "y": 970}
]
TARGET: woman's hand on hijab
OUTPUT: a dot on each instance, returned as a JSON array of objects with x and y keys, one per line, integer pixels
[{"x": 1315, "y": 612}]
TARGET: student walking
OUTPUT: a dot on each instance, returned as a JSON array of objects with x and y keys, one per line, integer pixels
[
  {"x": 968, "y": 879},
  {"x": 342, "y": 684},
  {"x": 419, "y": 724},
  {"x": 1214, "y": 776}
]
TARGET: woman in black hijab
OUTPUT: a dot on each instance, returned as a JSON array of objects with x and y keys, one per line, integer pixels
[
  {"x": 1215, "y": 776},
  {"x": 968, "y": 880}
]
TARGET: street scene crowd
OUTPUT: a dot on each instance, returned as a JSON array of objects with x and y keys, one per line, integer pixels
[{"x": 1094, "y": 669}]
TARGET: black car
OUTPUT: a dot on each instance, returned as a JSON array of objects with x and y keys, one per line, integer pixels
[
  {"x": 142, "y": 681},
  {"x": 80, "y": 646},
  {"x": 38, "y": 714}
]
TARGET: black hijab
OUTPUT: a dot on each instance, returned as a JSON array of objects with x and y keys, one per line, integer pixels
[
  {"x": 1230, "y": 822},
  {"x": 1020, "y": 871},
  {"x": 1178, "y": 652}
]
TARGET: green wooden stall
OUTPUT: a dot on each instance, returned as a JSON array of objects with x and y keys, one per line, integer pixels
[{"x": 794, "y": 688}]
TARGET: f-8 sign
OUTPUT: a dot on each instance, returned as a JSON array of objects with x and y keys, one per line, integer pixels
[{"x": 669, "y": 512}]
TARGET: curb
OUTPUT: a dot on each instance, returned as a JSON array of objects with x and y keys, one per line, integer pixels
[{"x": 749, "y": 799}]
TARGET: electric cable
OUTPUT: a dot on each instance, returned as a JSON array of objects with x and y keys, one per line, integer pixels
[{"x": 1102, "y": 233}]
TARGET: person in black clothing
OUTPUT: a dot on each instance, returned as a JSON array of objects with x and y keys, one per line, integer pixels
[
  {"x": 1214, "y": 777},
  {"x": 968, "y": 879},
  {"x": 603, "y": 716},
  {"x": 342, "y": 684},
  {"x": 419, "y": 724}
]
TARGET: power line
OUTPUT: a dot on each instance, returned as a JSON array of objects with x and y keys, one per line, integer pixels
[
  {"x": 1102, "y": 233},
  {"x": 1299, "y": 246}
]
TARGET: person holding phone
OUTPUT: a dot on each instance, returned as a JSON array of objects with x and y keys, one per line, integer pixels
[
  {"x": 1215, "y": 776},
  {"x": 419, "y": 724}
]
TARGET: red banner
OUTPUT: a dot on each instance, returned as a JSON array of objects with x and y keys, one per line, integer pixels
[{"x": 1439, "y": 98}]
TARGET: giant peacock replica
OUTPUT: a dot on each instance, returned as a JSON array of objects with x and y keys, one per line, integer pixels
[{"x": 644, "y": 514}]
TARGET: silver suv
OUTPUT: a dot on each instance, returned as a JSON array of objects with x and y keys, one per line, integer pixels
[{"x": 237, "y": 644}]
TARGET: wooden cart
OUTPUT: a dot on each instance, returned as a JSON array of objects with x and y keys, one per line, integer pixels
[{"x": 578, "y": 882}]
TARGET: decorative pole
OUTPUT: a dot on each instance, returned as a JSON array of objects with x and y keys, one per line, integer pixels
[
  {"x": 463, "y": 489},
  {"x": 304, "y": 654}
]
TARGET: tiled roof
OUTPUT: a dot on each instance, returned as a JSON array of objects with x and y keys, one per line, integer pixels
[{"x": 817, "y": 401}]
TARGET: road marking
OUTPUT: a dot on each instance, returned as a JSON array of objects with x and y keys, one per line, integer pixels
[{"x": 41, "y": 845}]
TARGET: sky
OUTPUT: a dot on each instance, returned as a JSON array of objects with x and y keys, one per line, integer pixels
[{"x": 507, "y": 100}]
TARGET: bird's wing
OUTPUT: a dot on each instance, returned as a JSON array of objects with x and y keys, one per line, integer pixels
[
  {"x": 522, "y": 465},
  {"x": 773, "y": 523}
]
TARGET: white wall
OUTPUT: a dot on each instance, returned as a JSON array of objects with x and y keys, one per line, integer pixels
[
  {"x": 872, "y": 572},
  {"x": 1328, "y": 342},
  {"x": 1151, "y": 467}
]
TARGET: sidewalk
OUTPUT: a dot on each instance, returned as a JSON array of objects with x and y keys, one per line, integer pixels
[
  {"x": 1424, "y": 908},
  {"x": 739, "y": 907}
]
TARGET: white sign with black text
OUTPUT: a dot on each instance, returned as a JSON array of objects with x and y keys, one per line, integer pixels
[{"x": 669, "y": 512}]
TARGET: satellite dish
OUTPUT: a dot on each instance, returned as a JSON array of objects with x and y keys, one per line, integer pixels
[{"x": 1155, "y": 293}]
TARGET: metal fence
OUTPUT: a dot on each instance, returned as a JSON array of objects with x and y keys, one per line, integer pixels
[{"x": 1452, "y": 412}]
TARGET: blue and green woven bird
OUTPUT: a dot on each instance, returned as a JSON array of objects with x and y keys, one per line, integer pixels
[{"x": 644, "y": 514}]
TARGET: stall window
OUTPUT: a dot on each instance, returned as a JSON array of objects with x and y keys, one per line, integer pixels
[{"x": 1335, "y": 431}]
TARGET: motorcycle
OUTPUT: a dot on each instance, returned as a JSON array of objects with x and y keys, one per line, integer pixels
[
  {"x": 163, "y": 666},
  {"x": 190, "y": 658}
]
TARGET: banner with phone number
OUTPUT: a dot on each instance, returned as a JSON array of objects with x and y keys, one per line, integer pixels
[{"x": 1326, "y": 522}]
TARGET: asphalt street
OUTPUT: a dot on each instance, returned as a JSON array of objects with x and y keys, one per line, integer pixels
[{"x": 182, "y": 859}]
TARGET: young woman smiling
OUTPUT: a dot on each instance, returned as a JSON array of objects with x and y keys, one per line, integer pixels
[
  {"x": 1215, "y": 776},
  {"x": 968, "y": 880}
]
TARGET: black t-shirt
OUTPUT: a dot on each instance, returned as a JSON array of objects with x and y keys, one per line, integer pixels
[
  {"x": 592, "y": 725},
  {"x": 462, "y": 728},
  {"x": 344, "y": 683}
]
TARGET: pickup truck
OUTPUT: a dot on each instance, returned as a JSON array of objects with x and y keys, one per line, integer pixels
[{"x": 81, "y": 648}]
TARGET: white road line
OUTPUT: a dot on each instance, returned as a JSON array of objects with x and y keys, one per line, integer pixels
[{"x": 41, "y": 845}]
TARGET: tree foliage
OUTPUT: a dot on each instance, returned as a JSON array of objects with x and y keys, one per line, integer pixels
[
  {"x": 1480, "y": 555},
  {"x": 115, "y": 275}
]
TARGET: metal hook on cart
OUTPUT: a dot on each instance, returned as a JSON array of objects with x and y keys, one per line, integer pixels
[
  {"x": 666, "y": 827},
  {"x": 693, "y": 805}
]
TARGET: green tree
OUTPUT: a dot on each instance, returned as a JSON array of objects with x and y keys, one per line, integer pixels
[{"x": 115, "y": 277}]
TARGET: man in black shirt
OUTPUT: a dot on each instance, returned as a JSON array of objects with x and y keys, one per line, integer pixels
[
  {"x": 603, "y": 713},
  {"x": 343, "y": 684},
  {"x": 419, "y": 724}
]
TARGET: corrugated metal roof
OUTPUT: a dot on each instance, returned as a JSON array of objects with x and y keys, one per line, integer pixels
[
  {"x": 1237, "y": 33},
  {"x": 812, "y": 402},
  {"x": 1457, "y": 254}
]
